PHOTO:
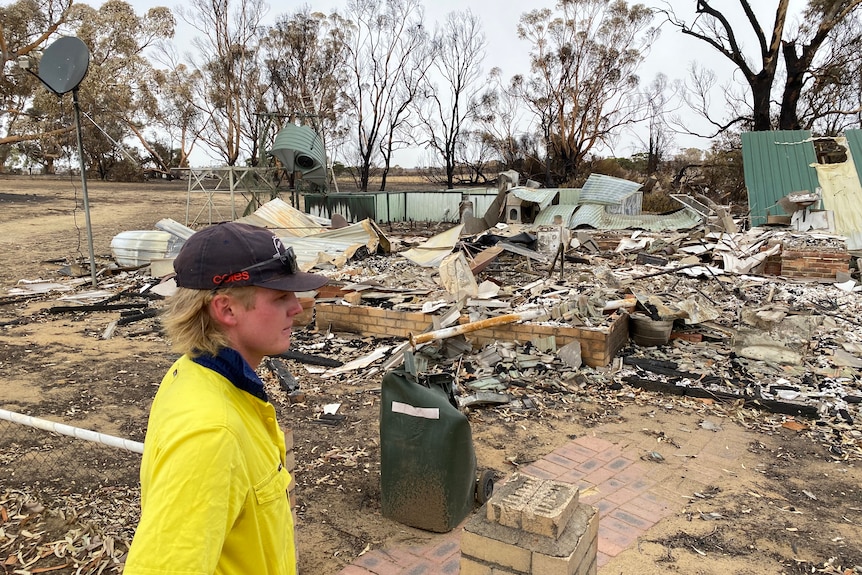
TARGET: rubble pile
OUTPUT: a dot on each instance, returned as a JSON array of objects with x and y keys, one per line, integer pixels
[{"x": 706, "y": 320}]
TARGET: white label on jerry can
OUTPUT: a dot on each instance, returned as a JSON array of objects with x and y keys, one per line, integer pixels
[{"x": 424, "y": 412}]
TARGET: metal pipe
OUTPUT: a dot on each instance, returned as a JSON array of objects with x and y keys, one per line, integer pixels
[
  {"x": 77, "y": 109},
  {"x": 76, "y": 432}
]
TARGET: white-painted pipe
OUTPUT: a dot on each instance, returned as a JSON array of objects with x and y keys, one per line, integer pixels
[{"x": 77, "y": 432}]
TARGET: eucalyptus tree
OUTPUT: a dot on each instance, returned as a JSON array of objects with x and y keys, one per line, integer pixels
[
  {"x": 500, "y": 118},
  {"x": 26, "y": 26},
  {"x": 179, "y": 118},
  {"x": 659, "y": 137},
  {"x": 304, "y": 55},
  {"x": 801, "y": 46},
  {"x": 387, "y": 58},
  {"x": 114, "y": 96},
  {"x": 230, "y": 73},
  {"x": 452, "y": 93},
  {"x": 582, "y": 86}
]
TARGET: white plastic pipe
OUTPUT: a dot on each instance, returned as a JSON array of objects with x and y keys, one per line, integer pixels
[{"x": 77, "y": 432}]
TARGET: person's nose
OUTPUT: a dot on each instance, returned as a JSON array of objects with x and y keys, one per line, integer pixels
[{"x": 294, "y": 306}]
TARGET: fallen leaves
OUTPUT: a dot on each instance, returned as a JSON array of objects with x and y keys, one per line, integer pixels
[{"x": 50, "y": 542}]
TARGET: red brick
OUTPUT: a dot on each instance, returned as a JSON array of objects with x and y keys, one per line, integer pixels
[
  {"x": 559, "y": 459},
  {"x": 650, "y": 512},
  {"x": 594, "y": 443},
  {"x": 599, "y": 476},
  {"x": 620, "y": 496},
  {"x": 575, "y": 452},
  {"x": 355, "y": 570}
]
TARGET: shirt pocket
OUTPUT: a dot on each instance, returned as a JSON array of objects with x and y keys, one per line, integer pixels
[{"x": 273, "y": 486}]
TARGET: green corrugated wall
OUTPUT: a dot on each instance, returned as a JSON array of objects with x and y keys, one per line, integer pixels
[
  {"x": 854, "y": 142},
  {"x": 776, "y": 164}
]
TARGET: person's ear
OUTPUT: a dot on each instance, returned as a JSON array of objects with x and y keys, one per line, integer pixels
[{"x": 223, "y": 309}]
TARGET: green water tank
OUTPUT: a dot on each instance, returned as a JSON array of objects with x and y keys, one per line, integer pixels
[{"x": 427, "y": 461}]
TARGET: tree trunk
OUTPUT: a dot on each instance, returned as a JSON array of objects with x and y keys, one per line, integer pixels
[
  {"x": 788, "y": 118},
  {"x": 761, "y": 87}
]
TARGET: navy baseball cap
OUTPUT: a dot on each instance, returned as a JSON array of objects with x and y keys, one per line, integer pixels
[{"x": 233, "y": 254}]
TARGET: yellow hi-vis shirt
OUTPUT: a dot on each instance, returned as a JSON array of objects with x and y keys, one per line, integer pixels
[{"x": 213, "y": 482}]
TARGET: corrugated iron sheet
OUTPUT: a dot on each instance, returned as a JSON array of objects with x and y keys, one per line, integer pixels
[
  {"x": 336, "y": 246},
  {"x": 630, "y": 205},
  {"x": 175, "y": 228},
  {"x": 354, "y": 207},
  {"x": 541, "y": 196},
  {"x": 433, "y": 206},
  {"x": 300, "y": 149},
  {"x": 595, "y": 215},
  {"x": 607, "y": 190},
  {"x": 482, "y": 201},
  {"x": 570, "y": 196},
  {"x": 280, "y": 215},
  {"x": 841, "y": 193},
  {"x": 431, "y": 252},
  {"x": 390, "y": 207},
  {"x": 854, "y": 142},
  {"x": 776, "y": 164},
  {"x": 546, "y": 216}
]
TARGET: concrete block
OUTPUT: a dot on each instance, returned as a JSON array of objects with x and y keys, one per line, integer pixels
[
  {"x": 578, "y": 562},
  {"x": 496, "y": 545},
  {"x": 549, "y": 510},
  {"x": 505, "y": 554},
  {"x": 471, "y": 567},
  {"x": 535, "y": 505}
]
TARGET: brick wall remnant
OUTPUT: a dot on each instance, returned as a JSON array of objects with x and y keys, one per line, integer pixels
[
  {"x": 531, "y": 526},
  {"x": 598, "y": 345}
]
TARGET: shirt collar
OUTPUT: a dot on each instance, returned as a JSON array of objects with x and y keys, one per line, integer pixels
[{"x": 230, "y": 364}]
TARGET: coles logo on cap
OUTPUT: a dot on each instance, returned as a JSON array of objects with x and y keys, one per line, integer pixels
[{"x": 230, "y": 278}]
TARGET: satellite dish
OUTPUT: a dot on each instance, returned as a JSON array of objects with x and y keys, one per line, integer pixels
[{"x": 64, "y": 64}]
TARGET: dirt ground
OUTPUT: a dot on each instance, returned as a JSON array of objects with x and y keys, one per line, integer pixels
[{"x": 57, "y": 366}]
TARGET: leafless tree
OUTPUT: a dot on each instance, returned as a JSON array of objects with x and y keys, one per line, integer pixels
[
  {"x": 500, "y": 116},
  {"x": 831, "y": 100},
  {"x": 799, "y": 49},
  {"x": 228, "y": 47},
  {"x": 451, "y": 97},
  {"x": 386, "y": 59},
  {"x": 659, "y": 138}
]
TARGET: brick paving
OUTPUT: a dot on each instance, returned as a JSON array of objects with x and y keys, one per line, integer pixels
[{"x": 631, "y": 493}]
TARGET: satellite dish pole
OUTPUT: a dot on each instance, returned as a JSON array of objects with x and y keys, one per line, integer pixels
[{"x": 62, "y": 68}]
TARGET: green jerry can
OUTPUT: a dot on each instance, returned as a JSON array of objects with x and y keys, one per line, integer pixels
[{"x": 427, "y": 461}]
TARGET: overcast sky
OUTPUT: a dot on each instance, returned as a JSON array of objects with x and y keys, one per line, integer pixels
[{"x": 672, "y": 54}]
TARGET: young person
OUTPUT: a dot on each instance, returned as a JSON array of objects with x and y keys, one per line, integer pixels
[{"x": 213, "y": 479}]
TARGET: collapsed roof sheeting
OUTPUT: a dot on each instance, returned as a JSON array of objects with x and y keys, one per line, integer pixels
[
  {"x": 541, "y": 196},
  {"x": 278, "y": 214},
  {"x": 431, "y": 253},
  {"x": 595, "y": 216},
  {"x": 336, "y": 246},
  {"x": 546, "y": 216},
  {"x": 606, "y": 190}
]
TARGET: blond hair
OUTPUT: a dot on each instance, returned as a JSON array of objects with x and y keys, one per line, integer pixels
[{"x": 189, "y": 325}]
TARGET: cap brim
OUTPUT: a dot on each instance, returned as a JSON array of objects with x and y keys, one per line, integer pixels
[{"x": 299, "y": 281}]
